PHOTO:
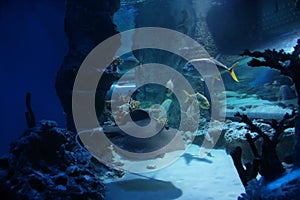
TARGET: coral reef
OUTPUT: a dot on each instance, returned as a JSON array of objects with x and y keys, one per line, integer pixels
[
  {"x": 46, "y": 162},
  {"x": 277, "y": 181},
  {"x": 268, "y": 163},
  {"x": 235, "y": 135},
  {"x": 288, "y": 64}
]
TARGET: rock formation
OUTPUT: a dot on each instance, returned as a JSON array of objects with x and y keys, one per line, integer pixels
[
  {"x": 87, "y": 24},
  {"x": 46, "y": 162}
]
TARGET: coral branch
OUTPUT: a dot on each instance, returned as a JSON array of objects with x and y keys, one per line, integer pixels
[
  {"x": 287, "y": 122},
  {"x": 252, "y": 127},
  {"x": 268, "y": 164},
  {"x": 286, "y": 63},
  {"x": 252, "y": 145},
  {"x": 237, "y": 160},
  {"x": 289, "y": 65},
  {"x": 251, "y": 170}
]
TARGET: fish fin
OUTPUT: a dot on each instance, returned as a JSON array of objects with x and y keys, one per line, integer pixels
[
  {"x": 231, "y": 71},
  {"x": 187, "y": 94}
]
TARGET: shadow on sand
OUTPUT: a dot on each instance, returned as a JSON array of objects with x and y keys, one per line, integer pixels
[
  {"x": 189, "y": 158},
  {"x": 146, "y": 187}
]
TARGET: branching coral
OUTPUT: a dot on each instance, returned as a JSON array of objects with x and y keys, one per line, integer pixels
[
  {"x": 268, "y": 163},
  {"x": 288, "y": 64}
]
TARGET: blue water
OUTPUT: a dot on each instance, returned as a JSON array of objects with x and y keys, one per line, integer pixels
[{"x": 32, "y": 48}]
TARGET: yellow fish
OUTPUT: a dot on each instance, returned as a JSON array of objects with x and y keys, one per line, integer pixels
[{"x": 200, "y": 99}]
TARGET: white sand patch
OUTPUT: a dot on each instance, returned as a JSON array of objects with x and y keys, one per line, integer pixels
[
  {"x": 188, "y": 178},
  {"x": 256, "y": 108}
]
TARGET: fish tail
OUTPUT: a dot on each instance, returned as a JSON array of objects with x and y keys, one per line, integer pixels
[
  {"x": 231, "y": 71},
  {"x": 187, "y": 94}
]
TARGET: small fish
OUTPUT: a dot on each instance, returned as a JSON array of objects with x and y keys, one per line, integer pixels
[
  {"x": 169, "y": 87},
  {"x": 206, "y": 62},
  {"x": 200, "y": 99}
]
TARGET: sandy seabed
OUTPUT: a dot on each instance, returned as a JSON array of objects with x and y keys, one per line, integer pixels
[{"x": 188, "y": 178}]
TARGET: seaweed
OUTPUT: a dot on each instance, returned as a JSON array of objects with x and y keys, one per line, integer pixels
[{"x": 289, "y": 65}]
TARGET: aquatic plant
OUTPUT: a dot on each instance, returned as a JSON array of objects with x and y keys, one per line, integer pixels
[{"x": 289, "y": 65}]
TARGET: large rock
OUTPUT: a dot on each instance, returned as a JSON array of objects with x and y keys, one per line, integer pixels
[{"x": 87, "y": 24}]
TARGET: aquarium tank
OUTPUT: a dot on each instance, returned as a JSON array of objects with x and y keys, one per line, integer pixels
[{"x": 150, "y": 99}]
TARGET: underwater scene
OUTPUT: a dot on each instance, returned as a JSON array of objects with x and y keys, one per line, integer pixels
[{"x": 150, "y": 99}]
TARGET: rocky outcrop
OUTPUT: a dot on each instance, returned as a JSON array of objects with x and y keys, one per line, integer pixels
[
  {"x": 87, "y": 23},
  {"x": 46, "y": 162}
]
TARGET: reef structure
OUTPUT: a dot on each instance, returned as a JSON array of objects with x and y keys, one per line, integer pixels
[
  {"x": 87, "y": 24},
  {"x": 268, "y": 163},
  {"x": 289, "y": 65},
  {"x": 46, "y": 162},
  {"x": 277, "y": 181}
]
